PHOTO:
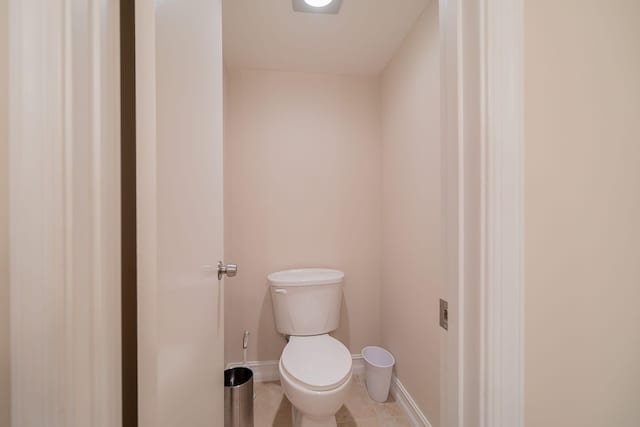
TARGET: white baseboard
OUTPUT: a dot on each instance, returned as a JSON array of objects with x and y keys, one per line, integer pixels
[
  {"x": 402, "y": 396},
  {"x": 263, "y": 371},
  {"x": 267, "y": 370},
  {"x": 358, "y": 364}
]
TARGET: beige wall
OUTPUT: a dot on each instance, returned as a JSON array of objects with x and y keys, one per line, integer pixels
[
  {"x": 5, "y": 380},
  {"x": 411, "y": 241},
  {"x": 582, "y": 213},
  {"x": 302, "y": 179}
]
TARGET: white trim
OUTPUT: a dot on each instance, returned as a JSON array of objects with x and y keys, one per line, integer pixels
[
  {"x": 64, "y": 171},
  {"x": 267, "y": 370},
  {"x": 263, "y": 371},
  {"x": 483, "y": 145},
  {"x": 410, "y": 407},
  {"x": 358, "y": 364},
  {"x": 146, "y": 207},
  {"x": 502, "y": 382},
  {"x": 452, "y": 380}
]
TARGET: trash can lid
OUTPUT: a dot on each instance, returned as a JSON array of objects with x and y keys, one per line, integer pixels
[{"x": 320, "y": 362}]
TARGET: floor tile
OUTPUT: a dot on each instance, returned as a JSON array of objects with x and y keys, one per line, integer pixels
[
  {"x": 273, "y": 409},
  {"x": 395, "y": 422}
]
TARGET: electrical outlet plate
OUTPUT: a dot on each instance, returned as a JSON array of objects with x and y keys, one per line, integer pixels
[{"x": 444, "y": 314}]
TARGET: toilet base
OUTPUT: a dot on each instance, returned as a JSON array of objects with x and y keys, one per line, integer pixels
[{"x": 300, "y": 420}]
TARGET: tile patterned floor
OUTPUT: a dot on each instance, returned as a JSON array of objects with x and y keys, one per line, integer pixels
[{"x": 272, "y": 409}]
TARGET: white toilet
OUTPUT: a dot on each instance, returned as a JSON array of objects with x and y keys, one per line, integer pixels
[{"x": 315, "y": 368}]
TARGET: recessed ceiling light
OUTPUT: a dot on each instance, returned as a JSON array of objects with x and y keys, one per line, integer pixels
[
  {"x": 318, "y": 3},
  {"x": 330, "y": 7}
]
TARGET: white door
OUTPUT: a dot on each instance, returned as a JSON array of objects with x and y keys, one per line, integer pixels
[{"x": 180, "y": 212}]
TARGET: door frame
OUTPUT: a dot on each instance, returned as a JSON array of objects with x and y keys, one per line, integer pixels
[
  {"x": 64, "y": 203},
  {"x": 483, "y": 145},
  {"x": 147, "y": 269}
]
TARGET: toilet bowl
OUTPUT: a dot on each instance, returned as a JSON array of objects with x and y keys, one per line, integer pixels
[
  {"x": 315, "y": 373},
  {"x": 315, "y": 368}
]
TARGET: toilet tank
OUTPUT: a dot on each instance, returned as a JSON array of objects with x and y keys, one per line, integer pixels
[{"x": 306, "y": 301}]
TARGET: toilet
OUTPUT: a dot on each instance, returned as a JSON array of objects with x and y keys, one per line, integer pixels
[{"x": 315, "y": 368}]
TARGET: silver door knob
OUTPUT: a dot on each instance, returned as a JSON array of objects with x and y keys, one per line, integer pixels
[{"x": 229, "y": 269}]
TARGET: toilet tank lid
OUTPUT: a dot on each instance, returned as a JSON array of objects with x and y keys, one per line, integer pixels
[{"x": 305, "y": 277}]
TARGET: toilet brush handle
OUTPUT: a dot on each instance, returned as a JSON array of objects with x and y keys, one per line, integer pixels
[{"x": 245, "y": 340}]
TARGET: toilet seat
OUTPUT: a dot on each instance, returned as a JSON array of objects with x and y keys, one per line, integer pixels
[{"x": 317, "y": 363}]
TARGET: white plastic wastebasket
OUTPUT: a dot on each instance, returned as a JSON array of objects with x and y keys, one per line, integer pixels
[{"x": 378, "y": 366}]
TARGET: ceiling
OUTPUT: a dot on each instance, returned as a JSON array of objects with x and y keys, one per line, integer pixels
[{"x": 359, "y": 40}]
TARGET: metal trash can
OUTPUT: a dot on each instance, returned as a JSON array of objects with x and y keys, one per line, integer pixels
[{"x": 238, "y": 397}]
